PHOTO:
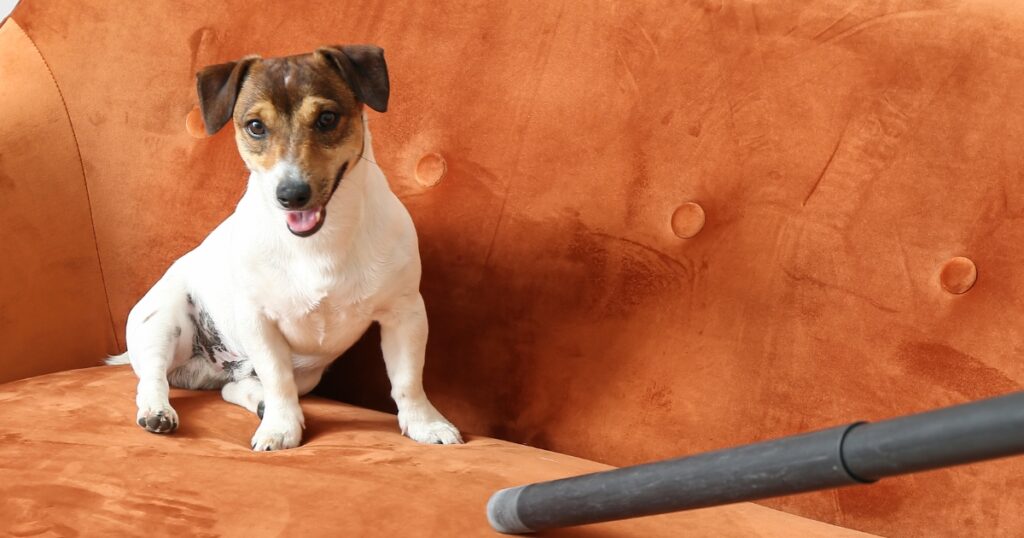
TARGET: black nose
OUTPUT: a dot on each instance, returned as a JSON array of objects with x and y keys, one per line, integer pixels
[{"x": 293, "y": 194}]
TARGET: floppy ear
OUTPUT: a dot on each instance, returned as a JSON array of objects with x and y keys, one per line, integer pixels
[
  {"x": 363, "y": 67},
  {"x": 218, "y": 87}
]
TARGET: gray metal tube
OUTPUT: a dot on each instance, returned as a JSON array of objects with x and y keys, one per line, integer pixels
[
  {"x": 857, "y": 453},
  {"x": 966, "y": 433},
  {"x": 779, "y": 467}
]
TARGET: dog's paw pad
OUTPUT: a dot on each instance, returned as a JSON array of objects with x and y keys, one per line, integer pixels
[
  {"x": 434, "y": 433},
  {"x": 163, "y": 420}
]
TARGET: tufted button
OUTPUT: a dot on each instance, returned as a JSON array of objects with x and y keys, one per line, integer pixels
[
  {"x": 430, "y": 170},
  {"x": 712, "y": 6},
  {"x": 958, "y": 275},
  {"x": 194, "y": 124},
  {"x": 688, "y": 220}
]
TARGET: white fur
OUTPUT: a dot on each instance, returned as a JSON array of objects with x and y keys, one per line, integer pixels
[{"x": 292, "y": 305}]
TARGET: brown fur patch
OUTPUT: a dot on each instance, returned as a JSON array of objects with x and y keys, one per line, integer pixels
[{"x": 288, "y": 95}]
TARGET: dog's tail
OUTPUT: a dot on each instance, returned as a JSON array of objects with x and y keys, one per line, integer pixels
[{"x": 115, "y": 360}]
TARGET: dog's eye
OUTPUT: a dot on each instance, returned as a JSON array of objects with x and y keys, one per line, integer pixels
[
  {"x": 326, "y": 121},
  {"x": 256, "y": 129}
]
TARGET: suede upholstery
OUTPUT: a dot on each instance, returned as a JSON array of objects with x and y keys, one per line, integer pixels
[
  {"x": 647, "y": 228},
  {"x": 72, "y": 464},
  {"x": 51, "y": 288}
]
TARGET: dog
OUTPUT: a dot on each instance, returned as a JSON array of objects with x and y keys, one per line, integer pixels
[{"x": 317, "y": 249}]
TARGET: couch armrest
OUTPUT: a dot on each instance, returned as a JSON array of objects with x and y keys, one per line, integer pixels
[{"x": 53, "y": 307}]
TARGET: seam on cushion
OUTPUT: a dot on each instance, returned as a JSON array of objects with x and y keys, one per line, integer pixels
[{"x": 81, "y": 164}]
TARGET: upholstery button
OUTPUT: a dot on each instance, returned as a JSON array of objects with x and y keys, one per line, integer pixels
[
  {"x": 958, "y": 275},
  {"x": 194, "y": 124},
  {"x": 712, "y": 6},
  {"x": 431, "y": 169},
  {"x": 688, "y": 220}
]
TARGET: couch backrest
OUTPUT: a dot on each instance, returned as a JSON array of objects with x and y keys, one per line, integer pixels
[{"x": 648, "y": 228}]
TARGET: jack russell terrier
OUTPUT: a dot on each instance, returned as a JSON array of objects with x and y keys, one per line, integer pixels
[{"x": 317, "y": 249}]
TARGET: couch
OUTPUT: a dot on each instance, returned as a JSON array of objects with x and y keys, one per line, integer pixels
[{"x": 648, "y": 229}]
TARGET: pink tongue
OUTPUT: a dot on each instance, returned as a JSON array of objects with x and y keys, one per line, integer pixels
[{"x": 303, "y": 221}]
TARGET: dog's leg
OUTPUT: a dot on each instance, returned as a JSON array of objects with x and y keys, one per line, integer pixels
[
  {"x": 248, "y": 391},
  {"x": 151, "y": 362},
  {"x": 156, "y": 326},
  {"x": 282, "y": 423},
  {"x": 404, "y": 343}
]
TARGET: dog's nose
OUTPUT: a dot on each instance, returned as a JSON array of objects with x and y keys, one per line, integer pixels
[{"x": 293, "y": 194}]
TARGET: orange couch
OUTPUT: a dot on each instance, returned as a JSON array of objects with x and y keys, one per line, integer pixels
[{"x": 648, "y": 229}]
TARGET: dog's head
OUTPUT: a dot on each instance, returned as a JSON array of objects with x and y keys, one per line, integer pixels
[{"x": 298, "y": 121}]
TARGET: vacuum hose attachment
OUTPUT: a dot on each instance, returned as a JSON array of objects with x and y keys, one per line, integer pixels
[{"x": 857, "y": 453}]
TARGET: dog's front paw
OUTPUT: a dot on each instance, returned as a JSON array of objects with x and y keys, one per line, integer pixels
[
  {"x": 433, "y": 432},
  {"x": 159, "y": 419},
  {"x": 277, "y": 434}
]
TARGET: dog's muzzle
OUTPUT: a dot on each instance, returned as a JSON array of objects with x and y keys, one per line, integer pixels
[{"x": 307, "y": 222}]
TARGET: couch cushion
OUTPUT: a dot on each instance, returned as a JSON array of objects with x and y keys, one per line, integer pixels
[{"x": 72, "y": 461}]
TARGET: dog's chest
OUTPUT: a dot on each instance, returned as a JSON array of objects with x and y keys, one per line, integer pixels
[
  {"x": 325, "y": 316},
  {"x": 329, "y": 328}
]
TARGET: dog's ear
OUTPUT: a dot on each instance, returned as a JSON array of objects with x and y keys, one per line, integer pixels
[
  {"x": 363, "y": 67},
  {"x": 218, "y": 87}
]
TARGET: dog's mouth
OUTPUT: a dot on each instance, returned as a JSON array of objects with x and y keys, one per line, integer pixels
[
  {"x": 305, "y": 223},
  {"x": 309, "y": 221}
]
